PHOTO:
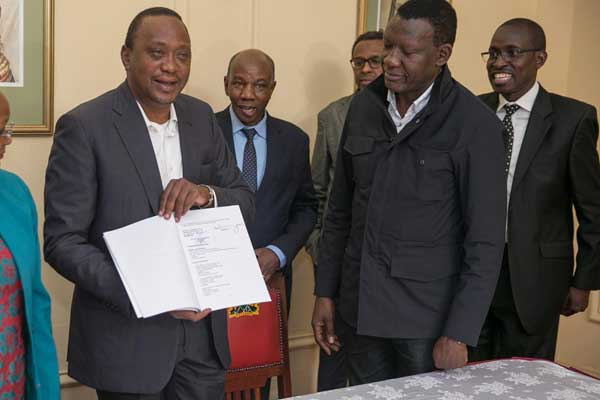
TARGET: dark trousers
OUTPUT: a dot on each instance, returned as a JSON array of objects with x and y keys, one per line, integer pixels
[
  {"x": 198, "y": 373},
  {"x": 503, "y": 335},
  {"x": 372, "y": 359}
]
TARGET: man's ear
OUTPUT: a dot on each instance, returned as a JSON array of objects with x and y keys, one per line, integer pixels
[
  {"x": 125, "y": 57},
  {"x": 444, "y": 53},
  {"x": 226, "y": 84},
  {"x": 540, "y": 58}
]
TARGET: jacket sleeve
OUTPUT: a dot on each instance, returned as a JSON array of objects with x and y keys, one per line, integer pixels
[
  {"x": 482, "y": 191},
  {"x": 338, "y": 220},
  {"x": 70, "y": 207},
  {"x": 321, "y": 167},
  {"x": 584, "y": 170},
  {"x": 303, "y": 211}
]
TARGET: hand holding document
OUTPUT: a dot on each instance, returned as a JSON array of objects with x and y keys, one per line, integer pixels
[{"x": 204, "y": 261}]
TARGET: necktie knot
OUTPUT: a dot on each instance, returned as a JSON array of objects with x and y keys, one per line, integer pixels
[
  {"x": 511, "y": 109},
  {"x": 250, "y": 133}
]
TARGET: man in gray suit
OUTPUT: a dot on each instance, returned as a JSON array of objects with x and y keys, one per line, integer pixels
[
  {"x": 366, "y": 65},
  {"x": 139, "y": 150}
]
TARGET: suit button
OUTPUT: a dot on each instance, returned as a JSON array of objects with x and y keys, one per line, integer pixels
[
  {"x": 418, "y": 121},
  {"x": 421, "y": 162}
]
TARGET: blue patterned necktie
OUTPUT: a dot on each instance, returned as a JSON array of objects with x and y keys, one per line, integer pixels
[
  {"x": 509, "y": 132},
  {"x": 249, "y": 163}
]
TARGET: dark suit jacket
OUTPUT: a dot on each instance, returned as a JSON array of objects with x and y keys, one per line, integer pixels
[
  {"x": 414, "y": 233},
  {"x": 557, "y": 169},
  {"x": 102, "y": 175},
  {"x": 286, "y": 205}
]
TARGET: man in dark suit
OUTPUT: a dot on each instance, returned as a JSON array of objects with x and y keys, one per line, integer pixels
[
  {"x": 366, "y": 64},
  {"x": 273, "y": 157},
  {"x": 552, "y": 165},
  {"x": 413, "y": 235},
  {"x": 137, "y": 151}
]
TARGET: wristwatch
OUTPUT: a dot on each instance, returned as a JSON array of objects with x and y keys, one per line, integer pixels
[{"x": 211, "y": 197}]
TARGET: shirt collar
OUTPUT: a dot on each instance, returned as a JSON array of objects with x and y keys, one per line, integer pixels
[
  {"x": 237, "y": 125},
  {"x": 525, "y": 102},
  {"x": 418, "y": 104},
  {"x": 170, "y": 123}
]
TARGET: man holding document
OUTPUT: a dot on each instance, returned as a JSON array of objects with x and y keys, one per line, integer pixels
[{"x": 140, "y": 150}]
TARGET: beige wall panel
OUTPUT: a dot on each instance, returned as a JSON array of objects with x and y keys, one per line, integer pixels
[
  {"x": 310, "y": 42},
  {"x": 556, "y": 17},
  {"x": 578, "y": 335},
  {"x": 218, "y": 29}
]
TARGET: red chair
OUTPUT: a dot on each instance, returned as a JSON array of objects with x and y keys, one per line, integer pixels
[{"x": 258, "y": 341}]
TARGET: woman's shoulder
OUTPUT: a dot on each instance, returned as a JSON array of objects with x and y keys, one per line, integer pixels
[{"x": 11, "y": 180}]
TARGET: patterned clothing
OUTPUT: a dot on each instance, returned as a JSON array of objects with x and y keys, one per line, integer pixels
[{"x": 12, "y": 346}]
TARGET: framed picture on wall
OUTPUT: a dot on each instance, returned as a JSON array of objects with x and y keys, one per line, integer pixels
[
  {"x": 373, "y": 15},
  {"x": 26, "y": 63}
]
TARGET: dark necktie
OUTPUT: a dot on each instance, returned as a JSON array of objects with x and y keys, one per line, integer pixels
[
  {"x": 509, "y": 132},
  {"x": 249, "y": 163}
]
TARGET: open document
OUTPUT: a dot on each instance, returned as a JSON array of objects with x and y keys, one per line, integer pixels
[{"x": 204, "y": 261}]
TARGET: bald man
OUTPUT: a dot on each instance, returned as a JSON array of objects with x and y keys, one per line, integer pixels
[{"x": 274, "y": 159}]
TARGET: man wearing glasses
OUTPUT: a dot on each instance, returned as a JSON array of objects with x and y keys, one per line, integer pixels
[
  {"x": 366, "y": 64},
  {"x": 551, "y": 165}
]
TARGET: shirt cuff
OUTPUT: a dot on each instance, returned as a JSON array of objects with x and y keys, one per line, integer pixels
[{"x": 279, "y": 254}]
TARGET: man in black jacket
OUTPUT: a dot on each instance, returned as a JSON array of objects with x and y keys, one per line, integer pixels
[
  {"x": 414, "y": 231},
  {"x": 552, "y": 166}
]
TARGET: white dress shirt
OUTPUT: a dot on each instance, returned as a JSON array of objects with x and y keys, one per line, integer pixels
[
  {"x": 519, "y": 120},
  {"x": 413, "y": 110},
  {"x": 167, "y": 150},
  {"x": 165, "y": 142}
]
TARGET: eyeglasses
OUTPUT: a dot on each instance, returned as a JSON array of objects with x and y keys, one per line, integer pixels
[
  {"x": 8, "y": 130},
  {"x": 359, "y": 62},
  {"x": 507, "y": 55}
]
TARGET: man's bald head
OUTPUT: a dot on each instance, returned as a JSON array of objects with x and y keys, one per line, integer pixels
[{"x": 252, "y": 56}]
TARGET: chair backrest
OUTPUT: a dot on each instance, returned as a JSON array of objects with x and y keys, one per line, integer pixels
[{"x": 258, "y": 341}]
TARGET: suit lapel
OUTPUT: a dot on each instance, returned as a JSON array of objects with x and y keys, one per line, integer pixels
[
  {"x": 133, "y": 131},
  {"x": 225, "y": 118},
  {"x": 538, "y": 126},
  {"x": 189, "y": 141},
  {"x": 274, "y": 150}
]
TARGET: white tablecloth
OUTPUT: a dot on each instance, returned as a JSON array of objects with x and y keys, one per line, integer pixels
[{"x": 494, "y": 380}]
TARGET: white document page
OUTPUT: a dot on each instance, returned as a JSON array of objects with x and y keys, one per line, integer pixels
[
  {"x": 152, "y": 266},
  {"x": 222, "y": 262}
]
